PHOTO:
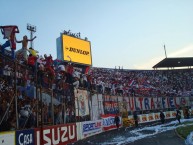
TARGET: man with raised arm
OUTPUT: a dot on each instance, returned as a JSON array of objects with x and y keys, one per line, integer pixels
[{"x": 24, "y": 48}]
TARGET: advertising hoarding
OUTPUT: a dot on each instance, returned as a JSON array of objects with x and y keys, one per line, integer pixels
[
  {"x": 56, "y": 135},
  {"x": 25, "y": 137},
  {"x": 7, "y": 138},
  {"x": 76, "y": 50}
]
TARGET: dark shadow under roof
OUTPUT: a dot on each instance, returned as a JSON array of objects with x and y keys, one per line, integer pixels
[{"x": 175, "y": 62}]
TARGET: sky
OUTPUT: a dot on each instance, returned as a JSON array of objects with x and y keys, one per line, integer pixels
[{"x": 126, "y": 33}]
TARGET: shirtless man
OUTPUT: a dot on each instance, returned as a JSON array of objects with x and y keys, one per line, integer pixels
[{"x": 24, "y": 49}]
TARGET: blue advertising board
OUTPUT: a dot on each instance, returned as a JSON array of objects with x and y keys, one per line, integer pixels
[
  {"x": 91, "y": 127},
  {"x": 25, "y": 137}
]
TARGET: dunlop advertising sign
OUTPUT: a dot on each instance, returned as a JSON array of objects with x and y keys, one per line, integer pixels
[{"x": 76, "y": 50}]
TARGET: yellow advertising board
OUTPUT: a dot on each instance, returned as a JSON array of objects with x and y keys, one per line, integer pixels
[{"x": 76, "y": 50}]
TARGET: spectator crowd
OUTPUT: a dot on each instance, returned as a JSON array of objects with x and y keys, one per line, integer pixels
[{"x": 28, "y": 75}]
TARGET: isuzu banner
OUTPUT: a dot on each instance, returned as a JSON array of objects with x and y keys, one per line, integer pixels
[
  {"x": 90, "y": 128},
  {"x": 56, "y": 135},
  {"x": 76, "y": 50},
  {"x": 108, "y": 122}
]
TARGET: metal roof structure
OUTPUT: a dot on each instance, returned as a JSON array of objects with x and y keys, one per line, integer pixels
[{"x": 175, "y": 62}]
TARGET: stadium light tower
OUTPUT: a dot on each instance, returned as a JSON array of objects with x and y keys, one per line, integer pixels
[{"x": 32, "y": 30}]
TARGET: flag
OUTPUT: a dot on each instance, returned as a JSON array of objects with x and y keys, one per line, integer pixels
[
  {"x": 131, "y": 83},
  {"x": 86, "y": 70},
  {"x": 7, "y": 31}
]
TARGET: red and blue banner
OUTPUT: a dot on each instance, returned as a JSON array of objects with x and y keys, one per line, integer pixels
[{"x": 108, "y": 122}]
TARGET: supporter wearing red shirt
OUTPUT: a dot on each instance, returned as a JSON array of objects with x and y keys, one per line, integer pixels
[
  {"x": 32, "y": 61},
  {"x": 48, "y": 66},
  {"x": 70, "y": 70}
]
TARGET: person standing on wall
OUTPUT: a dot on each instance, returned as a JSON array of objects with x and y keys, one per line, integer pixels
[
  {"x": 162, "y": 117},
  {"x": 135, "y": 117},
  {"x": 24, "y": 48},
  {"x": 117, "y": 120},
  {"x": 178, "y": 115}
]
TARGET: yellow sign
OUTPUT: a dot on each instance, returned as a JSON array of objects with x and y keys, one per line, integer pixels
[{"x": 76, "y": 50}]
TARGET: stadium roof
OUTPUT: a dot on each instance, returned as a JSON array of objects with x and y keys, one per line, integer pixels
[{"x": 175, "y": 62}]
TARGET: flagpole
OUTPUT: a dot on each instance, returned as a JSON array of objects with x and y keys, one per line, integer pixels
[{"x": 165, "y": 50}]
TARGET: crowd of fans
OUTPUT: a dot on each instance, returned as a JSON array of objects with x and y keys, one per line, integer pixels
[
  {"x": 54, "y": 79},
  {"x": 143, "y": 83},
  {"x": 59, "y": 79},
  {"x": 29, "y": 81}
]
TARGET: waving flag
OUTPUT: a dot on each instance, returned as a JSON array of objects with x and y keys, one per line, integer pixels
[
  {"x": 8, "y": 31},
  {"x": 131, "y": 83}
]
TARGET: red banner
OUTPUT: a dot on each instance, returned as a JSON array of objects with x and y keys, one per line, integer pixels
[{"x": 56, "y": 135}]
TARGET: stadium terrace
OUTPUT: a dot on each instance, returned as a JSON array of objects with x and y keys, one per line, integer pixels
[{"x": 55, "y": 101}]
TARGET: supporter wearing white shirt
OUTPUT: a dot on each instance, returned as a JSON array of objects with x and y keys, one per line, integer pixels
[
  {"x": 84, "y": 81},
  {"x": 76, "y": 83},
  {"x": 76, "y": 74}
]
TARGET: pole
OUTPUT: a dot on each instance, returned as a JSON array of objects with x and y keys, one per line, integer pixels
[
  {"x": 89, "y": 104},
  {"x": 7, "y": 110},
  {"x": 15, "y": 87},
  {"x": 37, "y": 107},
  {"x": 103, "y": 97},
  {"x": 64, "y": 109},
  {"x": 98, "y": 106},
  {"x": 37, "y": 95},
  {"x": 165, "y": 51},
  {"x": 78, "y": 106},
  {"x": 52, "y": 107},
  {"x": 41, "y": 129},
  {"x": 75, "y": 103}
]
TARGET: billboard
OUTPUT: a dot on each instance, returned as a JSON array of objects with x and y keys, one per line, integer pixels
[
  {"x": 90, "y": 128},
  {"x": 76, "y": 50},
  {"x": 7, "y": 138},
  {"x": 56, "y": 135},
  {"x": 25, "y": 137}
]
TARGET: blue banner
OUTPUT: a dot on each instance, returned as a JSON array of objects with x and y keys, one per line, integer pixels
[
  {"x": 90, "y": 128},
  {"x": 25, "y": 137}
]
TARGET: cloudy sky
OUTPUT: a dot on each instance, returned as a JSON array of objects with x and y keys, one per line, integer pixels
[{"x": 126, "y": 33}]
